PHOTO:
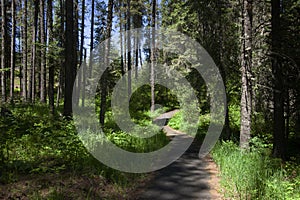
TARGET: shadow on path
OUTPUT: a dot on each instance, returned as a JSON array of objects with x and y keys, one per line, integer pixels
[{"x": 186, "y": 178}]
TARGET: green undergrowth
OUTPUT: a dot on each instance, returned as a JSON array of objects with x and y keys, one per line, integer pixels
[
  {"x": 178, "y": 122},
  {"x": 35, "y": 143},
  {"x": 254, "y": 174}
]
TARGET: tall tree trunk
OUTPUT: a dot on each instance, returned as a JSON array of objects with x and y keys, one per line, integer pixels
[
  {"x": 152, "y": 81},
  {"x": 31, "y": 90},
  {"x": 24, "y": 59},
  {"x": 92, "y": 38},
  {"x": 43, "y": 53},
  {"x": 128, "y": 49},
  {"x": 136, "y": 49},
  {"x": 226, "y": 133},
  {"x": 82, "y": 31},
  {"x": 137, "y": 23},
  {"x": 106, "y": 61},
  {"x": 12, "y": 52},
  {"x": 3, "y": 51},
  {"x": 61, "y": 82},
  {"x": 121, "y": 37},
  {"x": 76, "y": 48},
  {"x": 50, "y": 53},
  {"x": 246, "y": 99},
  {"x": 69, "y": 56},
  {"x": 81, "y": 50},
  {"x": 278, "y": 94},
  {"x": 84, "y": 80}
]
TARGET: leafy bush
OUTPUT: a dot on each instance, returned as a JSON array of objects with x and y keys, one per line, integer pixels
[
  {"x": 40, "y": 143},
  {"x": 176, "y": 121},
  {"x": 234, "y": 113}
]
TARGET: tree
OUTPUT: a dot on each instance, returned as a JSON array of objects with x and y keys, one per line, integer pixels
[
  {"x": 120, "y": 11},
  {"x": 25, "y": 54},
  {"x": 81, "y": 53},
  {"x": 137, "y": 9},
  {"x": 82, "y": 31},
  {"x": 69, "y": 58},
  {"x": 152, "y": 81},
  {"x": 278, "y": 91},
  {"x": 31, "y": 83},
  {"x": 43, "y": 53},
  {"x": 50, "y": 54},
  {"x": 12, "y": 51},
  {"x": 128, "y": 24},
  {"x": 246, "y": 62},
  {"x": 92, "y": 37},
  {"x": 106, "y": 61},
  {"x": 61, "y": 37},
  {"x": 3, "y": 51}
]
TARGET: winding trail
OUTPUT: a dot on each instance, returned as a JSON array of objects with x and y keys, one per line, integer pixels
[{"x": 187, "y": 178}]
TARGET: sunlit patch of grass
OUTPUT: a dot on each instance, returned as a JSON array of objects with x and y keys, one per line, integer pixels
[
  {"x": 254, "y": 175},
  {"x": 39, "y": 149}
]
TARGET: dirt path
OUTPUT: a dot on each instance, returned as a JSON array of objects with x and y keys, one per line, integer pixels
[{"x": 187, "y": 178}]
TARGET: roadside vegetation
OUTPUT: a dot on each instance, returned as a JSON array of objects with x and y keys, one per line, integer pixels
[
  {"x": 252, "y": 173},
  {"x": 43, "y": 158}
]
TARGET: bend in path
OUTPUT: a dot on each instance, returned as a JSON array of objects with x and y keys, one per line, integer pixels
[{"x": 187, "y": 178}]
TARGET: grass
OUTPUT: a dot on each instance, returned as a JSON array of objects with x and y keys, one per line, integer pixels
[
  {"x": 254, "y": 174},
  {"x": 42, "y": 157}
]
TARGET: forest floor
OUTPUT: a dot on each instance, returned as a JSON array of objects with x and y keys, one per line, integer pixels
[
  {"x": 189, "y": 177},
  {"x": 186, "y": 178}
]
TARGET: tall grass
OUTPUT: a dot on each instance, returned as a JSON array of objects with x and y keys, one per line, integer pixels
[{"x": 254, "y": 175}]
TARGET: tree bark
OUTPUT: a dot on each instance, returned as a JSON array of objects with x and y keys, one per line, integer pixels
[
  {"x": 31, "y": 90},
  {"x": 76, "y": 48},
  {"x": 81, "y": 52},
  {"x": 152, "y": 81},
  {"x": 3, "y": 51},
  {"x": 128, "y": 49},
  {"x": 246, "y": 99},
  {"x": 50, "y": 53},
  {"x": 61, "y": 82},
  {"x": 84, "y": 80},
  {"x": 43, "y": 53},
  {"x": 279, "y": 142},
  {"x": 106, "y": 61},
  {"x": 92, "y": 38},
  {"x": 24, "y": 59},
  {"x": 121, "y": 37},
  {"x": 12, "y": 52},
  {"x": 69, "y": 56}
]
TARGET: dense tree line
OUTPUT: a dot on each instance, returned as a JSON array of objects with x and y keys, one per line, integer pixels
[{"x": 255, "y": 45}]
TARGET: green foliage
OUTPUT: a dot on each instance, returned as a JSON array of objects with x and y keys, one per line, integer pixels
[
  {"x": 140, "y": 101},
  {"x": 138, "y": 145},
  {"x": 38, "y": 143},
  {"x": 234, "y": 112},
  {"x": 253, "y": 174},
  {"x": 176, "y": 121}
]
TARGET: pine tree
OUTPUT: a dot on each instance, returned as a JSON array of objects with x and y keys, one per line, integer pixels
[
  {"x": 3, "y": 50},
  {"x": 152, "y": 81},
  {"x": 246, "y": 62},
  {"x": 69, "y": 58},
  {"x": 278, "y": 91},
  {"x": 50, "y": 54},
  {"x": 106, "y": 61},
  {"x": 25, "y": 54},
  {"x": 43, "y": 53},
  {"x": 12, "y": 52}
]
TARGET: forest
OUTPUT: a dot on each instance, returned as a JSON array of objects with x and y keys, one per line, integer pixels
[{"x": 71, "y": 69}]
